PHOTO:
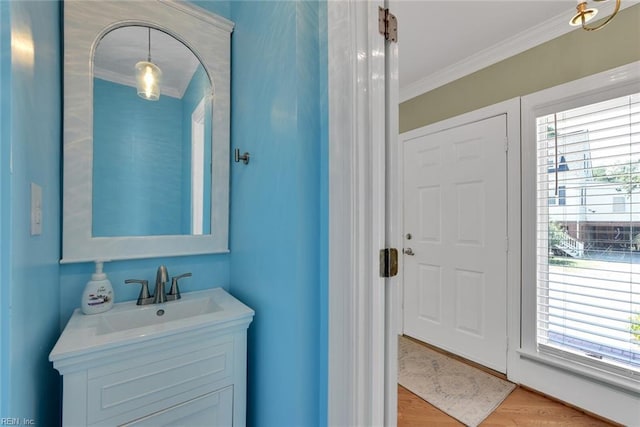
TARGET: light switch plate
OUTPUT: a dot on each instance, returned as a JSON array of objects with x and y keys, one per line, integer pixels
[{"x": 36, "y": 209}]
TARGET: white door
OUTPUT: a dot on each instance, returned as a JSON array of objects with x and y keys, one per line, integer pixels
[{"x": 455, "y": 224}]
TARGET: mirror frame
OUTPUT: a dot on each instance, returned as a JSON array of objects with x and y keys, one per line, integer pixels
[{"x": 209, "y": 38}]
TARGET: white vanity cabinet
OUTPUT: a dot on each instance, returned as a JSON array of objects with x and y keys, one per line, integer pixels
[{"x": 183, "y": 371}]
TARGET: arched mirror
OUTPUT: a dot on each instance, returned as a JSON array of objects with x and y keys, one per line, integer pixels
[
  {"x": 151, "y": 136},
  {"x": 146, "y": 130}
]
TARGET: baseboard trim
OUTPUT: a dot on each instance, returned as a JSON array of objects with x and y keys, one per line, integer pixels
[{"x": 569, "y": 405}]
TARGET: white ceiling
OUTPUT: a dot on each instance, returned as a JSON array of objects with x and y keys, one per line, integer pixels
[
  {"x": 440, "y": 41},
  {"x": 119, "y": 50}
]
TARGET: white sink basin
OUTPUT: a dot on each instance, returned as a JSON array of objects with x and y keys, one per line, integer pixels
[
  {"x": 155, "y": 314},
  {"x": 127, "y": 322}
]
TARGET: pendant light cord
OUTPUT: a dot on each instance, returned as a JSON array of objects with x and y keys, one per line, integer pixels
[{"x": 149, "y": 51}]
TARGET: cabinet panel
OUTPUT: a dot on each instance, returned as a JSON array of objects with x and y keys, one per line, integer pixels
[
  {"x": 175, "y": 375},
  {"x": 159, "y": 382},
  {"x": 211, "y": 410}
]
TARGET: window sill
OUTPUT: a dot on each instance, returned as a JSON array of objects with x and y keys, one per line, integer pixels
[{"x": 585, "y": 371}]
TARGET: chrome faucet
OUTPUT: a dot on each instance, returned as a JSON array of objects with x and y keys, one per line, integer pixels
[
  {"x": 162, "y": 277},
  {"x": 160, "y": 296}
]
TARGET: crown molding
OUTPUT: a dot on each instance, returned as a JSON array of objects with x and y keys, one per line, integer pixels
[
  {"x": 531, "y": 37},
  {"x": 522, "y": 41}
]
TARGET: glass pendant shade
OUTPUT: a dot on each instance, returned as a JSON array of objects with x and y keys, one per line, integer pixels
[{"x": 148, "y": 79}]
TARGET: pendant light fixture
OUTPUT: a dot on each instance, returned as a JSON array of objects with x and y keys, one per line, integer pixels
[
  {"x": 586, "y": 14},
  {"x": 148, "y": 77}
]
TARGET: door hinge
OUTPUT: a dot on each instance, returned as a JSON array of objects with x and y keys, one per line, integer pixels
[
  {"x": 387, "y": 24},
  {"x": 388, "y": 262}
]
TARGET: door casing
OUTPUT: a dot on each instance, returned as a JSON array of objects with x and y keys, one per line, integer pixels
[{"x": 358, "y": 392}]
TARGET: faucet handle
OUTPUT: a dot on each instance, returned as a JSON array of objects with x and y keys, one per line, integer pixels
[
  {"x": 174, "y": 292},
  {"x": 144, "y": 290}
]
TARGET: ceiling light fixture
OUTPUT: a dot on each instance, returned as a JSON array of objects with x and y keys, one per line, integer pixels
[
  {"x": 586, "y": 14},
  {"x": 148, "y": 77}
]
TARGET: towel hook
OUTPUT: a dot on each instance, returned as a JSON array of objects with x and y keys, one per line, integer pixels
[{"x": 244, "y": 157}]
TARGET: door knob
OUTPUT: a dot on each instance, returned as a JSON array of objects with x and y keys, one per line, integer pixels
[{"x": 409, "y": 251}]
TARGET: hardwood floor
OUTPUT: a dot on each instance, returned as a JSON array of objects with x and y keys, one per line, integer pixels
[{"x": 521, "y": 408}]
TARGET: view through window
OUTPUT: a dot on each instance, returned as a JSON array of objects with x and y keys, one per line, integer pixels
[{"x": 588, "y": 234}]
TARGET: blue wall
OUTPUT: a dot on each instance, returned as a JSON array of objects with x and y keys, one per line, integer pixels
[
  {"x": 5, "y": 97},
  {"x": 130, "y": 200},
  {"x": 278, "y": 263},
  {"x": 279, "y": 209},
  {"x": 31, "y": 111}
]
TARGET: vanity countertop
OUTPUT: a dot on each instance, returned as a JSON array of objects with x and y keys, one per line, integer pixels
[{"x": 127, "y": 323}]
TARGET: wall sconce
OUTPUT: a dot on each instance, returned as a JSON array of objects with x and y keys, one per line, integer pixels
[
  {"x": 148, "y": 76},
  {"x": 586, "y": 14}
]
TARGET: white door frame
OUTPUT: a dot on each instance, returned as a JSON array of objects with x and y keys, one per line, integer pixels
[
  {"x": 357, "y": 354},
  {"x": 393, "y": 230},
  {"x": 512, "y": 110}
]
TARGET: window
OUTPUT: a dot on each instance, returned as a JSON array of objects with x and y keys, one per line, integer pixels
[
  {"x": 562, "y": 195},
  {"x": 619, "y": 204},
  {"x": 588, "y": 243}
]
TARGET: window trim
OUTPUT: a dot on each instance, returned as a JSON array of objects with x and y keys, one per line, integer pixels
[
  {"x": 608, "y": 84},
  {"x": 581, "y": 369}
]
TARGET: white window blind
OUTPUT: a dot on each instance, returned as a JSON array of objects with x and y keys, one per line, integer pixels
[{"x": 588, "y": 235}]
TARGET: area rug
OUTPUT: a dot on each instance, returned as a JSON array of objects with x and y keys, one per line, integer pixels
[{"x": 464, "y": 392}]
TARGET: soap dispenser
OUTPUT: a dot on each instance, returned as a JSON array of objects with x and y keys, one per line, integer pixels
[{"x": 98, "y": 293}]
